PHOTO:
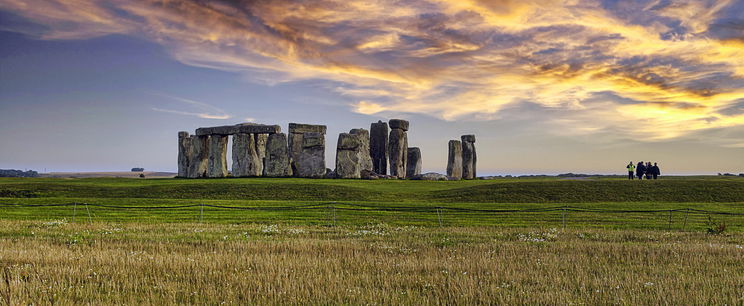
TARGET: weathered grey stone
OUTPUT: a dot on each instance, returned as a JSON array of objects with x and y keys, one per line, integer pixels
[
  {"x": 378, "y": 143},
  {"x": 347, "y": 156},
  {"x": 413, "y": 162},
  {"x": 454, "y": 159},
  {"x": 217, "y": 166},
  {"x": 311, "y": 160},
  {"x": 244, "y": 156},
  {"x": 398, "y": 152},
  {"x": 431, "y": 176},
  {"x": 399, "y": 124},
  {"x": 469, "y": 157},
  {"x": 307, "y": 149},
  {"x": 261, "y": 149},
  {"x": 184, "y": 153},
  {"x": 300, "y": 128},
  {"x": 243, "y": 128},
  {"x": 199, "y": 156},
  {"x": 277, "y": 156},
  {"x": 365, "y": 160}
]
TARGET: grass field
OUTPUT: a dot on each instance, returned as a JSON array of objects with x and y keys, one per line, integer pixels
[{"x": 371, "y": 242}]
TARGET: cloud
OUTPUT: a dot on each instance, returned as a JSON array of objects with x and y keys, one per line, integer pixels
[
  {"x": 195, "y": 108},
  {"x": 672, "y": 67}
]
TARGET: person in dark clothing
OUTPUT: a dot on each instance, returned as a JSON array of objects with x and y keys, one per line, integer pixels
[
  {"x": 631, "y": 170},
  {"x": 640, "y": 170},
  {"x": 655, "y": 171},
  {"x": 648, "y": 170}
]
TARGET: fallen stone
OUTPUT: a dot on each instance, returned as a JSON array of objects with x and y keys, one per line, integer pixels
[
  {"x": 199, "y": 156},
  {"x": 245, "y": 159},
  {"x": 217, "y": 166},
  {"x": 430, "y": 176},
  {"x": 276, "y": 163},
  {"x": 413, "y": 162},
  {"x": 243, "y": 128},
  {"x": 184, "y": 152},
  {"x": 399, "y": 124},
  {"x": 378, "y": 143},
  {"x": 454, "y": 159},
  {"x": 398, "y": 152}
]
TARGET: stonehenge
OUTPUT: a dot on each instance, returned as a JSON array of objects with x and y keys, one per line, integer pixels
[
  {"x": 378, "y": 146},
  {"x": 307, "y": 150},
  {"x": 469, "y": 157},
  {"x": 398, "y": 147},
  {"x": 352, "y": 154},
  {"x": 413, "y": 165},
  {"x": 263, "y": 150},
  {"x": 454, "y": 159}
]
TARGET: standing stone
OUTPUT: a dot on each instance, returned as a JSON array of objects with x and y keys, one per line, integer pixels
[
  {"x": 245, "y": 159},
  {"x": 347, "y": 156},
  {"x": 378, "y": 146},
  {"x": 413, "y": 164},
  {"x": 469, "y": 157},
  {"x": 184, "y": 153},
  {"x": 398, "y": 147},
  {"x": 277, "y": 156},
  {"x": 217, "y": 156},
  {"x": 311, "y": 160},
  {"x": 199, "y": 156},
  {"x": 365, "y": 160},
  {"x": 307, "y": 150},
  {"x": 261, "y": 140},
  {"x": 454, "y": 159}
]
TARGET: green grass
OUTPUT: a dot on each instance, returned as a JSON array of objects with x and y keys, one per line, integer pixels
[{"x": 725, "y": 194}]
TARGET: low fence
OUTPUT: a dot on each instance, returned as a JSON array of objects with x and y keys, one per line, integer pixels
[{"x": 338, "y": 213}]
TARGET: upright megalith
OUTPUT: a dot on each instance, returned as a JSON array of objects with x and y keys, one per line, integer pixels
[
  {"x": 413, "y": 162},
  {"x": 217, "y": 166},
  {"x": 184, "y": 153},
  {"x": 261, "y": 140},
  {"x": 276, "y": 163},
  {"x": 398, "y": 147},
  {"x": 365, "y": 160},
  {"x": 245, "y": 160},
  {"x": 199, "y": 156},
  {"x": 469, "y": 158},
  {"x": 352, "y": 154},
  {"x": 307, "y": 150},
  {"x": 454, "y": 159},
  {"x": 347, "y": 156},
  {"x": 378, "y": 149}
]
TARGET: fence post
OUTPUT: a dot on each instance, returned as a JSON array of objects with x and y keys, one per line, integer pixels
[
  {"x": 439, "y": 215},
  {"x": 684, "y": 226},
  {"x": 74, "y": 211},
  {"x": 670, "y": 220},
  {"x": 90, "y": 219},
  {"x": 564, "y": 217},
  {"x": 201, "y": 212}
]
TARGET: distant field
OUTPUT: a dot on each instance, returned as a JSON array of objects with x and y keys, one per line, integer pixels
[
  {"x": 129, "y": 174},
  {"x": 302, "y": 241},
  {"x": 359, "y": 202}
]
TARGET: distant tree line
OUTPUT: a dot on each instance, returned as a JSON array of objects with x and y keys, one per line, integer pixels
[{"x": 18, "y": 173}]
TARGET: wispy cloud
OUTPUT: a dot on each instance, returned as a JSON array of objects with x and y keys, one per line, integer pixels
[
  {"x": 646, "y": 69},
  {"x": 194, "y": 108}
]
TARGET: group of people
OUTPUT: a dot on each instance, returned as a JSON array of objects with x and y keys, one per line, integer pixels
[{"x": 642, "y": 170}]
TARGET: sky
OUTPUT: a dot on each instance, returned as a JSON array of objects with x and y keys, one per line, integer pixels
[{"x": 546, "y": 86}]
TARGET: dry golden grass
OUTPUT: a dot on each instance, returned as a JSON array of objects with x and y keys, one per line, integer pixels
[{"x": 48, "y": 262}]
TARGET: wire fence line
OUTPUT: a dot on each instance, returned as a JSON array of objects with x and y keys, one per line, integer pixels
[{"x": 441, "y": 215}]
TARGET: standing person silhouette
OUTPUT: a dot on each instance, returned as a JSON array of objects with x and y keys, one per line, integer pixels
[
  {"x": 648, "y": 170},
  {"x": 640, "y": 170},
  {"x": 655, "y": 171},
  {"x": 631, "y": 170}
]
